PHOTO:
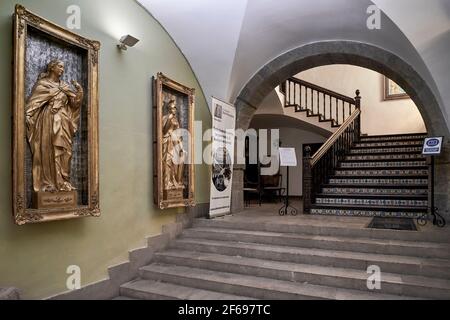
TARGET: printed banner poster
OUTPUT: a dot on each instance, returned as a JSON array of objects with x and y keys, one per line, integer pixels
[{"x": 223, "y": 125}]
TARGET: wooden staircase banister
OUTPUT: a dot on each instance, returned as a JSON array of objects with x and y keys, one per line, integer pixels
[
  {"x": 318, "y": 168},
  {"x": 316, "y": 101},
  {"x": 329, "y": 143},
  {"x": 323, "y": 90}
]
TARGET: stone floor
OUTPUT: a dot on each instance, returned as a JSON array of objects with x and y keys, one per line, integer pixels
[{"x": 268, "y": 213}]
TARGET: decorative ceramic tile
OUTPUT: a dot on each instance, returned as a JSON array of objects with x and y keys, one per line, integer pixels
[
  {"x": 393, "y": 138},
  {"x": 379, "y": 181},
  {"x": 386, "y": 150},
  {"x": 367, "y": 213},
  {"x": 388, "y": 144},
  {"x": 387, "y": 172},
  {"x": 383, "y": 164},
  {"x": 376, "y": 191},
  {"x": 400, "y": 156},
  {"x": 373, "y": 202}
]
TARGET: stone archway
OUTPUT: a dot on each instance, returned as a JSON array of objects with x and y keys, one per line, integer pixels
[{"x": 353, "y": 53}]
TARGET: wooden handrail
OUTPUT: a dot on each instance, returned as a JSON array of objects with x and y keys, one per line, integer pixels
[
  {"x": 323, "y": 90},
  {"x": 329, "y": 143}
]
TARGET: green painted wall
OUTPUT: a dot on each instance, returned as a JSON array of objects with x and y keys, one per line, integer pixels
[{"x": 35, "y": 257}]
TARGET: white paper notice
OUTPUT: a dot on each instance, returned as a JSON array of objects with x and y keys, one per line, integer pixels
[{"x": 288, "y": 158}]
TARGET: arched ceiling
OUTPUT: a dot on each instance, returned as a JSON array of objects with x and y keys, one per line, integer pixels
[{"x": 228, "y": 41}]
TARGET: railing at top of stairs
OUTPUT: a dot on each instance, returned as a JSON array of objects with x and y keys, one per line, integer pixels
[
  {"x": 318, "y": 168},
  {"x": 317, "y": 101}
]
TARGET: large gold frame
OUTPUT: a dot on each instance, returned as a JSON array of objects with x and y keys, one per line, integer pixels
[
  {"x": 158, "y": 83},
  {"x": 22, "y": 215}
]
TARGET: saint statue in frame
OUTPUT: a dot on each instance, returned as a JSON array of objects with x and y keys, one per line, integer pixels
[
  {"x": 173, "y": 118},
  {"x": 55, "y": 122}
]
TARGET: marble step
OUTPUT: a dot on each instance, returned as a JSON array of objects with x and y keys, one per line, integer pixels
[
  {"x": 142, "y": 289},
  {"x": 401, "y": 137},
  {"x": 354, "y": 279},
  {"x": 369, "y": 211},
  {"x": 255, "y": 287},
  {"x": 308, "y": 226},
  {"x": 406, "y": 171},
  {"x": 347, "y": 243},
  {"x": 382, "y": 164},
  {"x": 387, "y": 144},
  {"x": 384, "y": 150},
  {"x": 386, "y": 157},
  {"x": 375, "y": 190},
  {"x": 438, "y": 268},
  {"x": 380, "y": 181}
]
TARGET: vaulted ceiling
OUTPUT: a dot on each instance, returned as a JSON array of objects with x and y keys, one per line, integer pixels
[{"x": 228, "y": 41}]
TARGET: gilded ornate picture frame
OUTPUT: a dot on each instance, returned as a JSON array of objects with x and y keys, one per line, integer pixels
[
  {"x": 55, "y": 122},
  {"x": 173, "y": 145},
  {"x": 393, "y": 91}
]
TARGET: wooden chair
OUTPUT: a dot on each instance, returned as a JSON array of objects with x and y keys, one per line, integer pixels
[{"x": 273, "y": 185}]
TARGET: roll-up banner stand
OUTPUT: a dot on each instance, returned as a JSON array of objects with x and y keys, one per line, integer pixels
[{"x": 223, "y": 133}]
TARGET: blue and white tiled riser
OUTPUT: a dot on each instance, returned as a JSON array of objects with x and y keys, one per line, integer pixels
[
  {"x": 403, "y": 172},
  {"x": 379, "y": 181},
  {"x": 367, "y": 213},
  {"x": 395, "y": 138},
  {"x": 378, "y": 191},
  {"x": 387, "y": 144},
  {"x": 383, "y": 164},
  {"x": 373, "y": 202},
  {"x": 386, "y": 150},
  {"x": 371, "y": 157}
]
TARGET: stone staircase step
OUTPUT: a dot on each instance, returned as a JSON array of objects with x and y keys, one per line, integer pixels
[
  {"x": 256, "y": 287},
  {"x": 400, "y": 137},
  {"x": 371, "y": 210},
  {"x": 353, "y": 211},
  {"x": 385, "y": 157},
  {"x": 382, "y": 164},
  {"x": 386, "y": 144},
  {"x": 372, "y": 200},
  {"x": 374, "y": 190},
  {"x": 358, "y": 244},
  {"x": 380, "y": 181},
  {"x": 397, "y": 284},
  {"x": 371, "y": 151},
  {"x": 373, "y": 196},
  {"x": 439, "y": 268},
  {"x": 307, "y": 225},
  {"x": 155, "y": 290},
  {"x": 403, "y": 172}
]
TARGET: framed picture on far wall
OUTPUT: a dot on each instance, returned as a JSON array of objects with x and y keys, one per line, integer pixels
[{"x": 392, "y": 91}]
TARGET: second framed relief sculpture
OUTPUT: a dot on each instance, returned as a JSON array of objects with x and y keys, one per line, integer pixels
[
  {"x": 55, "y": 122},
  {"x": 173, "y": 125}
]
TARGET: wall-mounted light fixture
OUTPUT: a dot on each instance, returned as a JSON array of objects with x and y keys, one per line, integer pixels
[{"x": 127, "y": 41}]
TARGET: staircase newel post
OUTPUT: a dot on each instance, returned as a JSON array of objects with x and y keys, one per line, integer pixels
[
  {"x": 307, "y": 180},
  {"x": 358, "y": 106}
]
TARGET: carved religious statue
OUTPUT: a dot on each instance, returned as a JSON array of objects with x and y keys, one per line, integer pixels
[
  {"x": 173, "y": 154},
  {"x": 52, "y": 119}
]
